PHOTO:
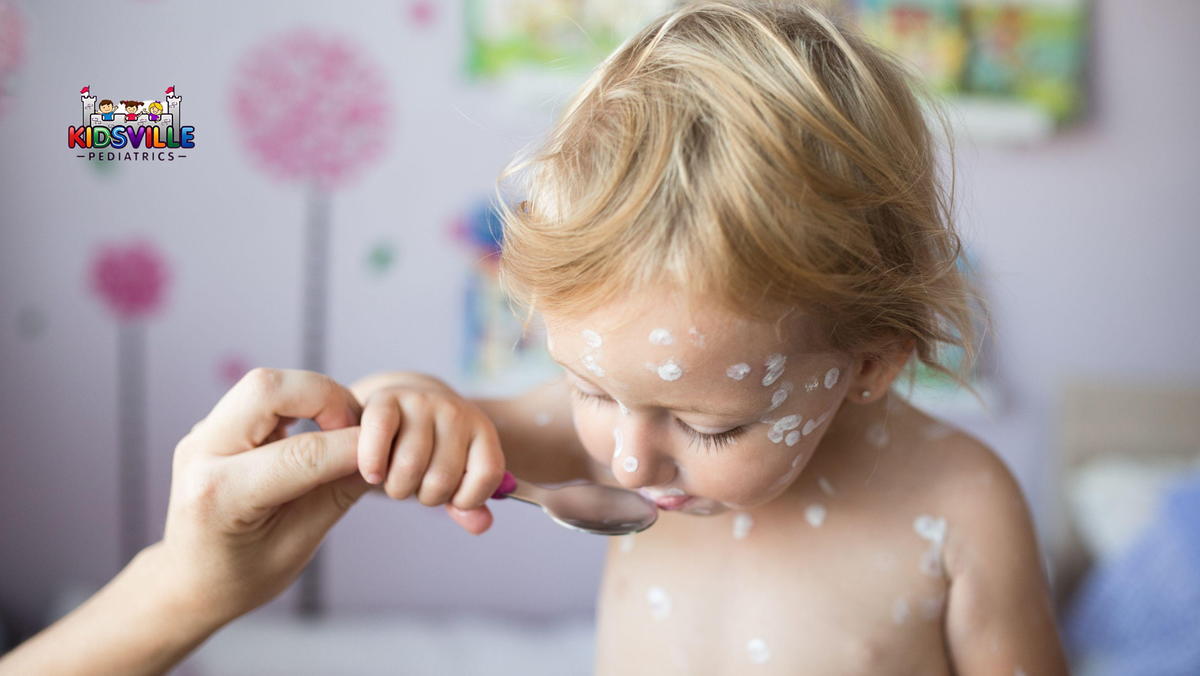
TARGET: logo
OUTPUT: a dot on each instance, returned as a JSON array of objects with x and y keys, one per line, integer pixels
[{"x": 130, "y": 129}]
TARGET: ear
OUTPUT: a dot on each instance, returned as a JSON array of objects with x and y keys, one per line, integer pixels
[{"x": 876, "y": 367}]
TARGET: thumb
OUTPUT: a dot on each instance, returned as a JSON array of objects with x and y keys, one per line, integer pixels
[
  {"x": 315, "y": 513},
  {"x": 474, "y": 521}
]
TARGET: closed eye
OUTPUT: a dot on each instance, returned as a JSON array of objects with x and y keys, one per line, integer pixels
[{"x": 710, "y": 442}]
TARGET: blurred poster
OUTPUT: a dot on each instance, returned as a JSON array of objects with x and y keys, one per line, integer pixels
[
  {"x": 536, "y": 53},
  {"x": 1014, "y": 69},
  {"x": 500, "y": 356},
  {"x": 510, "y": 36}
]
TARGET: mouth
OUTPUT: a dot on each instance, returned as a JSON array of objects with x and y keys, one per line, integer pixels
[
  {"x": 673, "y": 502},
  {"x": 670, "y": 499}
]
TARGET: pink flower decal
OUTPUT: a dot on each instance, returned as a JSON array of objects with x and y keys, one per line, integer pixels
[
  {"x": 231, "y": 368},
  {"x": 310, "y": 107},
  {"x": 130, "y": 279},
  {"x": 12, "y": 44}
]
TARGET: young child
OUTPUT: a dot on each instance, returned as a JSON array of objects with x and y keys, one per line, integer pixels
[{"x": 736, "y": 238}]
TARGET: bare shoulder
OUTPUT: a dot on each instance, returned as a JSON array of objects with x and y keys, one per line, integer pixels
[{"x": 999, "y": 612}]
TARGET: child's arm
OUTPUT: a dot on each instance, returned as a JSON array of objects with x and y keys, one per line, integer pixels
[
  {"x": 999, "y": 618},
  {"x": 535, "y": 429}
]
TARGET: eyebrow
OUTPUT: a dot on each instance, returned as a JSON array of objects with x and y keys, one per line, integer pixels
[{"x": 689, "y": 409}]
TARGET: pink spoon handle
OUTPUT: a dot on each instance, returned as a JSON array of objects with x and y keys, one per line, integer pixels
[{"x": 507, "y": 485}]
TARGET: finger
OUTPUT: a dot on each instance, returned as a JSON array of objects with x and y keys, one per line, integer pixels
[
  {"x": 412, "y": 451},
  {"x": 445, "y": 471},
  {"x": 247, "y": 414},
  {"x": 380, "y": 420},
  {"x": 309, "y": 518},
  {"x": 474, "y": 521},
  {"x": 485, "y": 470},
  {"x": 278, "y": 472}
]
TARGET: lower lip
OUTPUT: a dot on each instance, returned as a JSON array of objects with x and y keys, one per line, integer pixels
[{"x": 673, "y": 502}]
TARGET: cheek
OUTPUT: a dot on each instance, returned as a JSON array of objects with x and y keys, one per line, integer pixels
[{"x": 595, "y": 430}]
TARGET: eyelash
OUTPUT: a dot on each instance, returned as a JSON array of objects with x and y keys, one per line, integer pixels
[{"x": 711, "y": 442}]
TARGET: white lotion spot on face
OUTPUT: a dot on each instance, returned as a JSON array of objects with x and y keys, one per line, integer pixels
[
  {"x": 589, "y": 362},
  {"x": 660, "y": 603},
  {"x": 815, "y": 515},
  {"x": 826, "y": 487},
  {"x": 779, "y": 396},
  {"x": 831, "y": 377},
  {"x": 670, "y": 370},
  {"x": 738, "y": 371},
  {"x": 783, "y": 426},
  {"x": 623, "y": 407},
  {"x": 775, "y": 364},
  {"x": 812, "y": 384},
  {"x": 630, "y": 463},
  {"x": 541, "y": 419},
  {"x": 696, "y": 337},
  {"x": 757, "y": 650},
  {"x": 592, "y": 338},
  {"x": 742, "y": 523},
  {"x": 792, "y": 437},
  {"x": 627, "y": 543},
  {"x": 814, "y": 424},
  {"x": 661, "y": 337},
  {"x": 618, "y": 442},
  {"x": 900, "y": 610}
]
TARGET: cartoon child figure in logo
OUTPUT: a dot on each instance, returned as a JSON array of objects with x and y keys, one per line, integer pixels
[
  {"x": 131, "y": 109},
  {"x": 106, "y": 110},
  {"x": 155, "y": 110}
]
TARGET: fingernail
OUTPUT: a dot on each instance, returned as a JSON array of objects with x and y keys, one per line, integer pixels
[{"x": 374, "y": 478}]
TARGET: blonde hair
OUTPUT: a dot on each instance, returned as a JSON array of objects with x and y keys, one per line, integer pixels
[
  {"x": 153, "y": 106},
  {"x": 759, "y": 155}
]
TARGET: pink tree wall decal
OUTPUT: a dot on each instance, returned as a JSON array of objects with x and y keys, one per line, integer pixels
[
  {"x": 12, "y": 46},
  {"x": 131, "y": 279},
  {"x": 311, "y": 109}
]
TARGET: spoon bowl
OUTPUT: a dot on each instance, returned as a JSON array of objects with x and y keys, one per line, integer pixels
[{"x": 586, "y": 507}]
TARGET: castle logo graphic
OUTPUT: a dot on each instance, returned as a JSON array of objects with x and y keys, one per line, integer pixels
[{"x": 130, "y": 129}]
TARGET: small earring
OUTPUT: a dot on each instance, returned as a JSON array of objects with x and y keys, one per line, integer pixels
[{"x": 866, "y": 394}]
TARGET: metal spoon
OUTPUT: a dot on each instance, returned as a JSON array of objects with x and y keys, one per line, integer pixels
[{"x": 591, "y": 508}]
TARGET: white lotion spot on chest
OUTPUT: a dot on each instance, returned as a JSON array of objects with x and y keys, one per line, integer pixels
[
  {"x": 814, "y": 514},
  {"x": 900, "y": 610},
  {"x": 630, "y": 463},
  {"x": 826, "y": 487},
  {"x": 661, "y": 337},
  {"x": 660, "y": 603},
  {"x": 757, "y": 651},
  {"x": 742, "y": 523}
]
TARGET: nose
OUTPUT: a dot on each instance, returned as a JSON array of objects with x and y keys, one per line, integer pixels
[{"x": 639, "y": 456}]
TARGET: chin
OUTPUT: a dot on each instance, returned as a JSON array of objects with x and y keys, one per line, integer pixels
[{"x": 704, "y": 507}]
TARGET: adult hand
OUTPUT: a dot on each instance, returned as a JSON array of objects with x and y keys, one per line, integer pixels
[
  {"x": 248, "y": 508},
  {"x": 249, "y": 505}
]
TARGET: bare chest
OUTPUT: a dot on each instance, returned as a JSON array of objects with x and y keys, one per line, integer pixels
[{"x": 771, "y": 595}]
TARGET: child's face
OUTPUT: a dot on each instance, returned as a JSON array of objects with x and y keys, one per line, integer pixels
[
  {"x": 106, "y": 107},
  {"x": 665, "y": 375}
]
